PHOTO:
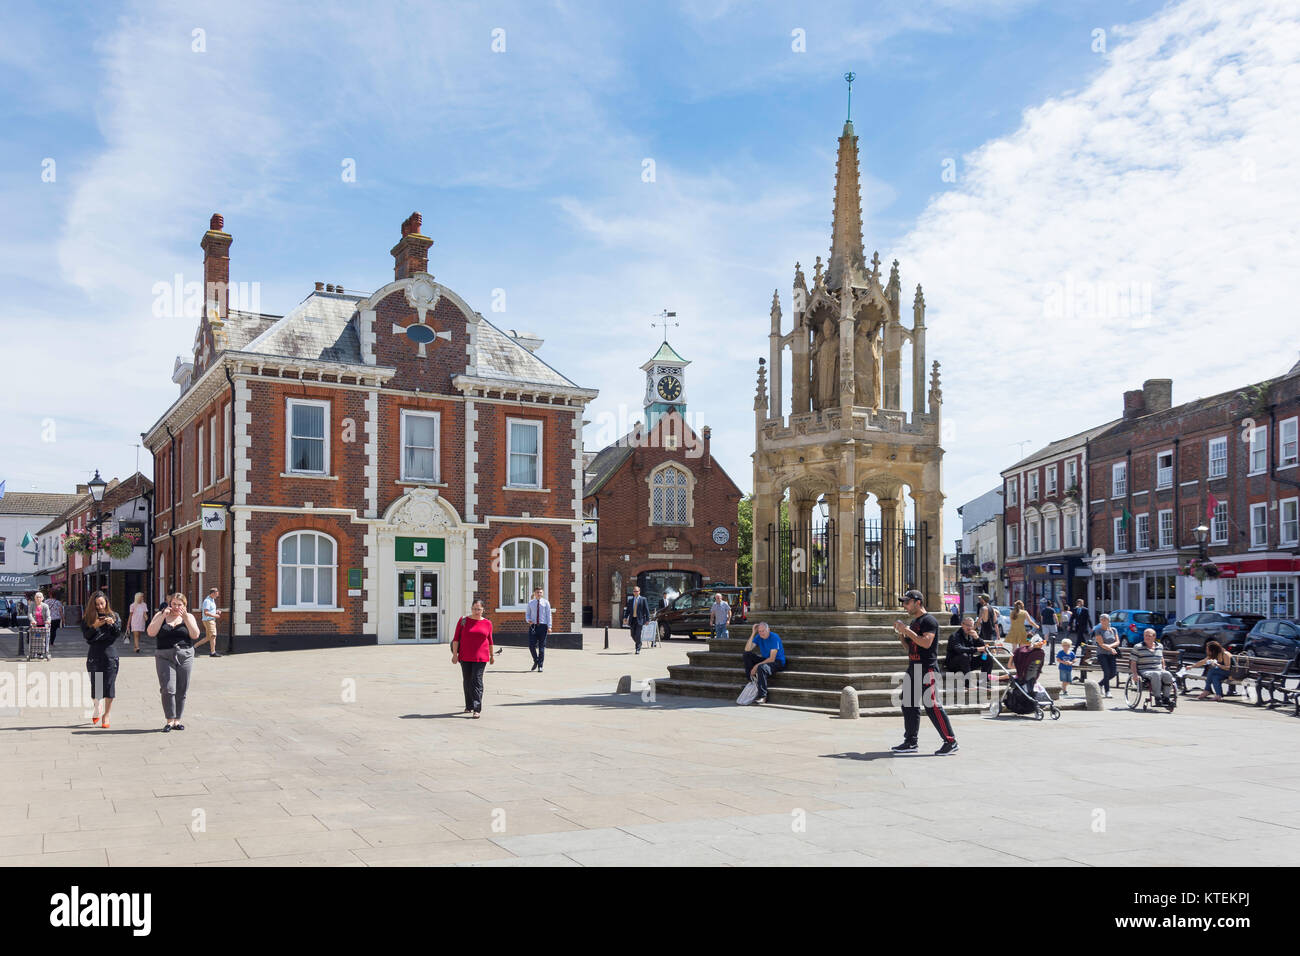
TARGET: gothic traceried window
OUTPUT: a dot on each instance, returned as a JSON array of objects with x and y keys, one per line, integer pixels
[{"x": 670, "y": 489}]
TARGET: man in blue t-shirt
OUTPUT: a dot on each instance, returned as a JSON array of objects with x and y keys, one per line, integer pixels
[{"x": 764, "y": 656}]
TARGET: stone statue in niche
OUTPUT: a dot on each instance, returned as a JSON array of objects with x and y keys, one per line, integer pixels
[
  {"x": 828, "y": 366},
  {"x": 866, "y": 359}
]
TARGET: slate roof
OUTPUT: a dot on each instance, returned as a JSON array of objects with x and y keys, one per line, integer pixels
[
  {"x": 36, "y": 503},
  {"x": 243, "y": 327},
  {"x": 80, "y": 502},
  {"x": 319, "y": 328},
  {"x": 606, "y": 463},
  {"x": 501, "y": 356},
  {"x": 1062, "y": 444}
]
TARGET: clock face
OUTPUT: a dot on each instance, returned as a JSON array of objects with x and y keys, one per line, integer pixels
[{"x": 670, "y": 388}]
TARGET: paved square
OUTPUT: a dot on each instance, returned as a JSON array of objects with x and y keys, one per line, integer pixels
[{"x": 561, "y": 771}]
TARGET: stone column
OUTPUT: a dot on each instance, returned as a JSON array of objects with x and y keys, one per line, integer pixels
[
  {"x": 929, "y": 510},
  {"x": 891, "y": 550},
  {"x": 845, "y": 510},
  {"x": 801, "y": 510},
  {"x": 767, "y": 504}
]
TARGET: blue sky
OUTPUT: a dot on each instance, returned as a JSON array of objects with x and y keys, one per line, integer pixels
[{"x": 1162, "y": 161}]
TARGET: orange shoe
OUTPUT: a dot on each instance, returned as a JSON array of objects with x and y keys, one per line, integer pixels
[
  {"x": 104, "y": 725},
  {"x": 94, "y": 720}
]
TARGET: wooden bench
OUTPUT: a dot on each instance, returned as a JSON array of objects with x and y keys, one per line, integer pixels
[
  {"x": 1270, "y": 676},
  {"x": 1238, "y": 674},
  {"x": 1173, "y": 662}
]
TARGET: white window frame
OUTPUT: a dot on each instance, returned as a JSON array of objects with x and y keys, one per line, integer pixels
[
  {"x": 227, "y": 412},
  {"x": 289, "y": 404},
  {"x": 1259, "y": 529},
  {"x": 1031, "y": 491},
  {"x": 437, "y": 444},
  {"x": 1071, "y": 530},
  {"x": 1013, "y": 492},
  {"x": 1119, "y": 479},
  {"x": 1210, "y": 458},
  {"x": 1292, "y": 538},
  {"x": 1119, "y": 536},
  {"x": 535, "y": 423},
  {"x": 199, "y": 484},
  {"x": 1257, "y": 447},
  {"x": 1013, "y": 541},
  {"x": 1142, "y": 531},
  {"x": 1033, "y": 535},
  {"x": 1220, "y": 510},
  {"x": 1051, "y": 535},
  {"x": 506, "y": 569},
  {"x": 1165, "y": 477},
  {"x": 212, "y": 449},
  {"x": 1051, "y": 480},
  {"x": 280, "y": 567},
  {"x": 1292, "y": 426},
  {"x": 1163, "y": 541},
  {"x": 1071, "y": 473}
]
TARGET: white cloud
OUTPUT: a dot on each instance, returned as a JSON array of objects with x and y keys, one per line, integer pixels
[{"x": 1173, "y": 169}]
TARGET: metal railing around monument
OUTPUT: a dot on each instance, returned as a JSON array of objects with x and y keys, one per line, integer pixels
[
  {"x": 889, "y": 558},
  {"x": 801, "y": 566}
]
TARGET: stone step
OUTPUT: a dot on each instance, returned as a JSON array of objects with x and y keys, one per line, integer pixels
[
  {"x": 774, "y": 619},
  {"x": 807, "y": 662},
  {"x": 808, "y": 680},
  {"x": 814, "y": 648},
  {"x": 871, "y": 702}
]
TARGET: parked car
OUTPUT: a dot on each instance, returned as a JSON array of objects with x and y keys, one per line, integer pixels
[
  {"x": 6, "y": 612},
  {"x": 1129, "y": 623},
  {"x": 1276, "y": 637},
  {"x": 1192, "y": 633},
  {"x": 688, "y": 616}
]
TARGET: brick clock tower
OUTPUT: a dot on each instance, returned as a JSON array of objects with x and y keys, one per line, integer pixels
[{"x": 659, "y": 512}]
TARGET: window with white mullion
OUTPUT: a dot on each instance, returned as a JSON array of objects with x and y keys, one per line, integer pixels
[
  {"x": 308, "y": 425},
  {"x": 1218, "y": 457},
  {"x": 524, "y": 453},
  {"x": 1258, "y": 450},
  {"x": 308, "y": 566},
  {"x": 1259, "y": 526},
  {"x": 420, "y": 446},
  {"x": 1288, "y": 442}
]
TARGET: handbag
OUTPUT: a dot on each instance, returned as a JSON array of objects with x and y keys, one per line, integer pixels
[{"x": 749, "y": 694}]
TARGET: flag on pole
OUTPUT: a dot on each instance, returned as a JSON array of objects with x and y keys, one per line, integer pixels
[
  {"x": 27, "y": 540},
  {"x": 1126, "y": 519},
  {"x": 1209, "y": 510}
]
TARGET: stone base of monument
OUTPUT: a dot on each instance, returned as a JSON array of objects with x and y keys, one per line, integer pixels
[{"x": 826, "y": 652}]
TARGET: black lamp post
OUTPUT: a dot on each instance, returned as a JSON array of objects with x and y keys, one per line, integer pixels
[
  {"x": 97, "y": 486},
  {"x": 1202, "y": 541}
]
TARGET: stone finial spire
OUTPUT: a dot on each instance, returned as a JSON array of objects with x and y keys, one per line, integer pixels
[
  {"x": 817, "y": 272},
  {"x": 936, "y": 393},
  {"x": 799, "y": 281},
  {"x": 760, "y": 393},
  {"x": 918, "y": 309},
  {"x": 847, "y": 257},
  {"x": 776, "y": 312}
]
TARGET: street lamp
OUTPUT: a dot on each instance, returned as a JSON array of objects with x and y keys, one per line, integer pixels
[
  {"x": 1202, "y": 538},
  {"x": 97, "y": 486}
]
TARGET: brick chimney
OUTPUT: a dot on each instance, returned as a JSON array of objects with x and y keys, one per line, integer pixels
[
  {"x": 707, "y": 432},
  {"x": 216, "y": 267},
  {"x": 1158, "y": 394},
  {"x": 1134, "y": 404},
  {"x": 411, "y": 254}
]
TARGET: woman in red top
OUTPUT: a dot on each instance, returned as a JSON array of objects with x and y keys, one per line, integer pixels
[{"x": 472, "y": 648}]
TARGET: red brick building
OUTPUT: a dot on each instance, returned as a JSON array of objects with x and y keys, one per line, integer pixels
[
  {"x": 1229, "y": 462},
  {"x": 370, "y": 462},
  {"x": 662, "y": 512}
]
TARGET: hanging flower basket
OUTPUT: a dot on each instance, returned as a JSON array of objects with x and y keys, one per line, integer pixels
[
  {"x": 78, "y": 542},
  {"x": 1200, "y": 569},
  {"x": 118, "y": 546}
]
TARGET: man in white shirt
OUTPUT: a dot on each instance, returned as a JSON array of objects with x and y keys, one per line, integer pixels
[
  {"x": 209, "y": 613},
  {"x": 719, "y": 617},
  {"x": 538, "y": 617}
]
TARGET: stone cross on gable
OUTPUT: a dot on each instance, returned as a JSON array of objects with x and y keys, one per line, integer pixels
[{"x": 422, "y": 294}]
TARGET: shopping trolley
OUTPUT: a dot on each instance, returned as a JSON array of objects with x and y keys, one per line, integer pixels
[{"x": 38, "y": 643}]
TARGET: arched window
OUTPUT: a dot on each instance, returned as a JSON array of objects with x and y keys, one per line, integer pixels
[
  {"x": 308, "y": 568},
  {"x": 670, "y": 496},
  {"x": 524, "y": 566}
]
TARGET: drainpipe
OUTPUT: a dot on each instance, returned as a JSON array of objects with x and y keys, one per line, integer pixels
[
  {"x": 230, "y": 516},
  {"x": 171, "y": 484}
]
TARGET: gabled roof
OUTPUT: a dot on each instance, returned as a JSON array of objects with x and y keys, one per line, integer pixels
[
  {"x": 242, "y": 327},
  {"x": 1059, "y": 446},
  {"x": 606, "y": 463},
  {"x": 35, "y": 503},
  {"x": 68, "y": 512},
  {"x": 318, "y": 328}
]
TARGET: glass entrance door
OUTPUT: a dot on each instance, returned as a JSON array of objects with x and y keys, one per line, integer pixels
[{"x": 418, "y": 600}]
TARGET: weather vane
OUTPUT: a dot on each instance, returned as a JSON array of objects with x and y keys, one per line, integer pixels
[
  {"x": 665, "y": 315},
  {"x": 849, "y": 78}
]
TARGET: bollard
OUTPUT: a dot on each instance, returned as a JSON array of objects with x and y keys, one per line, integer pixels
[
  {"x": 849, "y": 704},
  {"x": 606, "y": 638},
  {"x": 624, "y": 684},
  {"x": 1092, "y": 695}
]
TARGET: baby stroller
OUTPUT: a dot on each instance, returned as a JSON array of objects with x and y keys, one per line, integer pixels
[{"x": 1025, "y": 697}]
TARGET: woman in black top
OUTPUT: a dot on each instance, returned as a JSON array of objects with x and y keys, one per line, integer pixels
[
  {"x": 101, "y": 627},
  {"x": 175, "y": 631}
]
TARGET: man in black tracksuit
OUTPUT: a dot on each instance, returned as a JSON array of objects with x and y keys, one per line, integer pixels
[{"x": 921, "y": 681}]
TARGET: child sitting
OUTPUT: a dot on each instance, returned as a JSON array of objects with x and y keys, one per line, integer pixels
[{"x": 1065, "y": 658}]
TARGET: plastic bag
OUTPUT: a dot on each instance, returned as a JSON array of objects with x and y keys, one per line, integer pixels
[{"x": 749, "y": 694}]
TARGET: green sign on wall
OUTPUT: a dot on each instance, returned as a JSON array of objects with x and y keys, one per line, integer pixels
[
  {"x": 354, "y": 578},
  {"x": 420, "y": 549}
]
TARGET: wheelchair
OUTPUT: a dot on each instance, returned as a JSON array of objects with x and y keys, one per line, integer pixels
[{"x": 1137, "y": 693}]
